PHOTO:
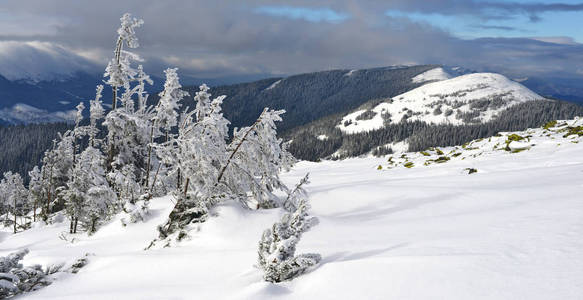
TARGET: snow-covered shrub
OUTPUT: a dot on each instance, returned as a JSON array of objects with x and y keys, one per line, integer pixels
[
  {"x": 277, "y": 247},
  {"x": 137, "y": 212},
  {"x": 16, "y": 279}
]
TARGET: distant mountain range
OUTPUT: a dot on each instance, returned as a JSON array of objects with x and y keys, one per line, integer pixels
[
  {"x": 330, "y": 114},
  {"x": 38, "y": 99}
]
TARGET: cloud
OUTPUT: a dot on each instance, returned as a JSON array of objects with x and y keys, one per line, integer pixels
[
  {"x": 229, "y": 38},
  {"x": 488, "y": 10},
  {"x": 305, "y": 13},
  {"x": 563, "y": 40},
  {"x": 39, "y": 61},
  {"x": 495, "y": 27}
]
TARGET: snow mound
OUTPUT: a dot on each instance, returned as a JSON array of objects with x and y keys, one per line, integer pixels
[
  {"x": 437, "y": 74},
  {"x": 467, "y": 99}
]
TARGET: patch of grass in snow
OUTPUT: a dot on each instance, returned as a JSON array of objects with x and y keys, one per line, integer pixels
[
  {"x": 578, "y": 130},
  {"x": 550, "y": 124}
]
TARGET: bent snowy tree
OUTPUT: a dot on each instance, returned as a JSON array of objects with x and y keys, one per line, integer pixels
[{"x": 245, "y": 170}]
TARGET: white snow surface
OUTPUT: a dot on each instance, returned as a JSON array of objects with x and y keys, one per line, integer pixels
[
  {"x": 510, "y": 231},
  {"x": 456, "y": 94},
  {"x": 349, "y": 73},
  {"x": 273, "y": 85},
  {"x": 437, "y": 74}
]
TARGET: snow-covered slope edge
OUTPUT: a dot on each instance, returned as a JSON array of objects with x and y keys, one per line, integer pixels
[
  {"x": 437, "y": 74},
  {"x": 466, "y": 99},
  {"x": 510, "y": 231}
]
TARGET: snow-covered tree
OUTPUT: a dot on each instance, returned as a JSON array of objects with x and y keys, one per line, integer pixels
[
  {"x": 88, "y": 195},
  {"x": 14, "y": 196},
  {"x": 165, "y": 116},
  {"x": 35, "y": 190},
  {"x": 96, "y": 113},
  {"x": 56, "y": 170},
  {"x": 257, "y": 158},
  {"x": 119, "y": 69},
  {"x": 246, "y": 170},
  {"x": 277, "y": 246},
  {"x": 167, "y": 109}
]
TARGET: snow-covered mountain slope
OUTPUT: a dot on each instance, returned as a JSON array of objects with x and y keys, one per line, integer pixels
[
  {"x": 22, "y": 113},
  {"x": 511, "y": 230},
  {"x": 437, "y": 74},
  {"x": 466, "y": 99}
]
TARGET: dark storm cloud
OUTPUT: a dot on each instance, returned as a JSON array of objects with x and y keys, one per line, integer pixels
[{"x": 223, "y": 38}]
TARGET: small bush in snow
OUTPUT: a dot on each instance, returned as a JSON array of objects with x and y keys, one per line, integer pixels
[
  {"x": 278, "y": 244},
  {"x": 16, "y": 279}
]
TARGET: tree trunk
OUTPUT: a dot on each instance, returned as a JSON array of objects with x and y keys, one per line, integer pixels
[
  {"x": 14, "y": 212},
  {"x": 34, "y": 212},
  {"x": 93, "y": 223},
  {"x": 71, "y": 225},
  {"x": 48, "y": 202},
  {"x": 118, "y": 47},
  {"x": 75, "y": 225},
  {"x": 239, "y": 146},
  {"x": 186, "y": 187},
  {"x": 149, "y": 156}
]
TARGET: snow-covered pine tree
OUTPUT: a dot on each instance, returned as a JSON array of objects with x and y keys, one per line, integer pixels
[
  {"x": 257, "y": 157},
  {"x": 128, "y": 139},
  {"x": 277, "y": 246},
  {"x": 14, "y": 197},
  {"x": 119, "y": 69},
  {"x": 165, "y": 119},
  {"x": 56, "y": 167},
  {"x": 35, "y": 190},
  {"x": 96, "y": 113},
  {"x": 246, "y": 170},
  {"x": 198, "y": 151},
  {"x": 128, "y": 130},
  {"x": 89, "y": 196}
]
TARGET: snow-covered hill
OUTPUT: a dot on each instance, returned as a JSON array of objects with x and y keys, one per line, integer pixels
[
  {"x": 472, "y": 98},
  {"x": 510, "y": 230},
  {"x": 437, "y": 74}
]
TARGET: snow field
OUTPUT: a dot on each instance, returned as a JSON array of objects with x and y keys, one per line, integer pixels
[{"x": 510, "y": 231}]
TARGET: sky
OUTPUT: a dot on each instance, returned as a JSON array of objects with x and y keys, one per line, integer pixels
[{"x": 212, "y": 39}]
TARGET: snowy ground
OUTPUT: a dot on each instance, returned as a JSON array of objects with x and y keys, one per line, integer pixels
[{"x": 513, "y": 230}]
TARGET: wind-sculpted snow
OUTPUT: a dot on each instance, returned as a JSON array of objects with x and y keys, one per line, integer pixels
[
  {"x": 467, "y": 99},
  {"x": 510, "y": 230}
]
